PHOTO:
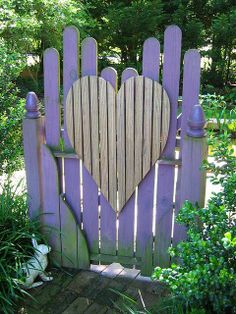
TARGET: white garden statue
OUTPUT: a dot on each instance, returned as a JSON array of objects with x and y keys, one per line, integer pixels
[{"x": 36, "y": 266}]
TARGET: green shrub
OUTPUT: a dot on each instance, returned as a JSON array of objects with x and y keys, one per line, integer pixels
[
  {"x": 206, "y": 275},
  {"x": 218, "y": 106},
  {"x": 15, "y": 244},
  {"x": 11, "y": 110}
]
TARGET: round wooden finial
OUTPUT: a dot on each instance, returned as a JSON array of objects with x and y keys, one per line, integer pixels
[
  {"x": 196, "y": 122},
  {"x": 32, "y": 107}
]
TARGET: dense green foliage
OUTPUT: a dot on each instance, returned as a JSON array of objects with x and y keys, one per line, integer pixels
[
  {"x": 121, "y": 27},
  {"x": 206, "y": 275},
  {"x": 15, "y": 238},
  {"x": 11, "y": 109}
]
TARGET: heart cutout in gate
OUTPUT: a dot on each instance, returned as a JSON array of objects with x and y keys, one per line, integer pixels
[{"x": 118, "y": 137}]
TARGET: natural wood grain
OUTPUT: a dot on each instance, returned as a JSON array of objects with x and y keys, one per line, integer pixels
[
  {"x": 121, "y": 146},
  {"x": 165, "y": 118},
  {"x": 70, "y": 118},
  {"x": 138, "y": 173},
  {"x": 94, "y": 128},
  {"x": 129, "y": 138},
  {"x": 111, "y": 104},
  {"x": 78, "y": 132},
  {"x": 156, "y": 131},
  {"x": 147, "y": 125},
  {"x": 86, "y": 123},
  {"x": 103, "y": 136},
  {"x": 122, "y": 136}
]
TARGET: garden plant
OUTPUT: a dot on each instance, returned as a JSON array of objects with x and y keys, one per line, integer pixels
[{"x": 16, "y": 248}]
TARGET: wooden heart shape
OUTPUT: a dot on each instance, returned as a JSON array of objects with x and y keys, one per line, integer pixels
[{"x": 118, "y": 137}]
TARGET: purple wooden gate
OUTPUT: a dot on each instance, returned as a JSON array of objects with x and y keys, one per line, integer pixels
[{"x": 85, "y": 227}]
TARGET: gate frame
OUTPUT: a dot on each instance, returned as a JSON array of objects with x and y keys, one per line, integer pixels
[{"x": 44, "y": 162}]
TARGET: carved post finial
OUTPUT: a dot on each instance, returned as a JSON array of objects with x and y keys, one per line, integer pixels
[
  {"x": 196, "y": 122},
  {"x": 32, "y": 107}
]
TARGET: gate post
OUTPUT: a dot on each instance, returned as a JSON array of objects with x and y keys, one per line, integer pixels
[
  {"x": 193, "y": 178},
  {"x": 33, "y": 137}
]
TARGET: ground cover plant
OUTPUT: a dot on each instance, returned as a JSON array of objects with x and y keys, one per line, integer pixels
[{"x": 15, "y": 244}]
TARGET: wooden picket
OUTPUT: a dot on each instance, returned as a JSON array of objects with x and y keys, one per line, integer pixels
[
  {"x": 90, "y": 189},
  {"x": 107, "y": 192},
  {"x": 165, "y": 181}
]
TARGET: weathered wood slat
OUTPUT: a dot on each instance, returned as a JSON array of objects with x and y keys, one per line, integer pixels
[
  {"x": 51, "y": 66},
  {"x": 94, "y": 128},
  {"x": 110, "y": 75},
  {"x": 138, "y": 130},
  {"x": 74, "y": 247},
  {"x": 90, "y": 188},
  {"x": 165, "y": 121},
  {"x": 144, "y": 224},
  {"x": 103, "y": 136},
  {"x": 165, "y": 187},
  {"x": 190, "y": 94},
  {"x": 51, "y": 207},
  {"x": 135, "y": 113},
  {"x": 112, "y": 168},
  {"x": 108, "y": 215},
  {"x": 89, "y": 57},
  {"x": 126, "y": 229},
  {"x": 129, "y": 137},
  {"x": 156, "y": 131},
  {"x": 121, "y": 146},
  {"x": 147, "y": 125},
  {"x": 128, "y": 73},
  {"x": 191, "y": 86},
  {"x": 151, "y": 57},
  {"x": 85, "y": 99},
  {"x": 77, "y": 110},
  {"x": 108, "y": 227},
  {"x": 126, "y": 216},
  {"x": 70, "y": 75},
  {"x": 69, "y": 245}
]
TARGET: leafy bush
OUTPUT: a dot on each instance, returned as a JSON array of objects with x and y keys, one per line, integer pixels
[
  {"x": 218, "y": 106},
  {"x": 206, "y": 276},
  {"x": 15, "y": 244},
  {"x": 11, "y": 110}
]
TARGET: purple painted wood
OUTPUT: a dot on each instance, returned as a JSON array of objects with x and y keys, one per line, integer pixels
[
  {"x": 108, "y": 215},
  {"x": 126, "y": 216},
  {"x": 165, "y": 186},
  {"x": 110, "y": 75},
  {"x": 193, "y": 179},
  {"x": 74, "y": 246},
  {"x": 33, "y": 136},
  {"x": 151, "y": 60},
  {"x": 90, "y": 188},
  {"x": 51, "y": 66},
  {"x": 191, "y": 86},
  {"x": 70, "y": 74},
  {"x": 128, "y": 73},
  {"x": 70, "y": 66},
  {"x": 144, "y": 223},
  {"x": 89, "y": 56},
  {"x": 51, "y": 209}
]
